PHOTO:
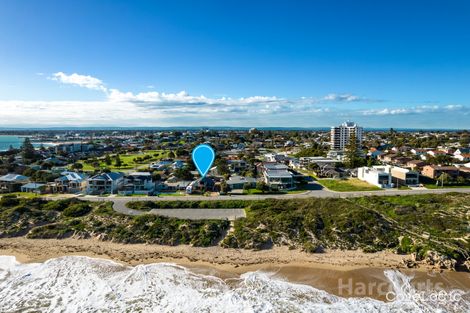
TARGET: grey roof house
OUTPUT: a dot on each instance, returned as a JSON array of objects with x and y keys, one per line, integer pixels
[{"x": 12, "y": 182}]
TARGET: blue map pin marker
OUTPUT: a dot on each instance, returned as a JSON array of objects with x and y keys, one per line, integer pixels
[{"x": 203, "y": 157}]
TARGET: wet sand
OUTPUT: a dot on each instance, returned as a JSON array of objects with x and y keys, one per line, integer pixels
[{"x": 343, "y": 273}]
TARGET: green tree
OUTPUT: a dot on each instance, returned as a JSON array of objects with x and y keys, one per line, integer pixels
[
  {"x": 461, "y": 180},
  {"x": 117, "y": 161},
  {"x": 262, "y": 186},
  {"x": 27, "y": 150},
  {"x": 441, "y": 159},
  {"x": 107, "y": 160},
  {"x": 156, "y": 176},
  {"x": 246, "y": 186},
  {"x": 222, "y": 166},
  {"x": 352, "y": 155},
  {"x": 183, "y": 173},
  {"x": 223, "y": 187},
  {"x": 444, "y": 179}
]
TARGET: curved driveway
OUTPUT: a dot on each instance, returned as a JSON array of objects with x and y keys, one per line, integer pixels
[{"x": 120, "y": 205}]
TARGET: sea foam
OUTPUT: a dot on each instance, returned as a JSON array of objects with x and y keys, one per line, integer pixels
[{"x": 82, "y": 284}]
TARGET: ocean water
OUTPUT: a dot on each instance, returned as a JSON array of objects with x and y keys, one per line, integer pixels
[
  {"x": 82, "y": 284},
  {"x": 7, "y": 141}
]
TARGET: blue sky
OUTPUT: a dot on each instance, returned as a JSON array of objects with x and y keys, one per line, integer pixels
[{"x": 235, "y": 63}]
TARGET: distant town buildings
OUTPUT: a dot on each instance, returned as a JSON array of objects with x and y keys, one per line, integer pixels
[
  {"x": 340, "y": 135},
  {"x": 159, "y": 162}
]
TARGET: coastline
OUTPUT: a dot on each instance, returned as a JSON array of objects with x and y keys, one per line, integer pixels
[
  {"x": 326, "y": 271},
  {"x": 235, "y": 260}
]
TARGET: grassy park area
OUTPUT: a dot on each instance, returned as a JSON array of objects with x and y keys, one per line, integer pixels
[
  {"x": 351, "y": 184},
  {"x": 434, "y": 186},
  {"x": 129, "y": 161}
]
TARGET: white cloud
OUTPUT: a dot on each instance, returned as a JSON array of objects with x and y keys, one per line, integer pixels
[
  {"x": 153, "y": 108},
  {"x": 333, "y": 97},
  {"x": 416, "y": 110},
  {"x": 75, "y": 113},
  {"x": 84, "y": 81}
]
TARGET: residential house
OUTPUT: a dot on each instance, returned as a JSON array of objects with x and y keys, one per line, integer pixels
[
  {"x": 59, "y": 169},
  {"x": 401, "y": 161},
  {"x": 415, "y": 164},
  {"x": 294, "y": 163},
  {"x": 330, "y": 171},
  {"x": 237, "y": 166},
  {"x": 306, "y": 161},
  {"x": 463, "y": 157},
  {"x": 201, "y": 185},
  {"x": 12, "y": 183},
  {"x": 275, "y": 157},
  {"x": 33, "y": 188},
  {"x": 289, "y": 143},
  {"x": 178, "y": 164},
  {"x": 232, "y": 154},
  {"x": 435, "y": 153},
  {"x": 461, "y": 151},
  {"x": 374, "y": 153},
  {"x": 172, "y": 184},
  {"x": 464, "y": 171},
  {"x": 404, "y": 177},
  {"x": 388, "y": 158},
  {"x": 238, "y": 182},
  {"x": 105, "y": 183},
  {"x": 140, "y": 183},
  {"x": 55, "y": 161},
  {"x": 277, "y": 176},
  {"x": 402, "y": 149},
  {"x": 377, "y": 175},
  {"x": 434, "y": 171},
  {"x": 335, "y": 154},
  {"x": 418, "y": 151},
  {"x": 161, "y": 165},
  {"x": 69, "y": 182}
]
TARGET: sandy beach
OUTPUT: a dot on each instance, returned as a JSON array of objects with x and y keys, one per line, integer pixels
[
  {"x": 325, "y": 271},
  {"x": 233, "y": 260}
]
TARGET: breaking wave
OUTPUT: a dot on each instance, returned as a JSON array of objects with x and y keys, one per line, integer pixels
[{"x": 82, "y": 284}]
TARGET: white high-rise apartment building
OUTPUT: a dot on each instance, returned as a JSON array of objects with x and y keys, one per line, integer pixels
[{"x": 340, "y": 135}]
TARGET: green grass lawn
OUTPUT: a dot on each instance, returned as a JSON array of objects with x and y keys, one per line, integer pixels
[
  {"x": 404, "y": 188},
  {"x": 308, "y": 173},
  {"x": 351, "y": 184},
  {"x": 433, "y": 186},
  {"x": 172, "y": 194},
  {"x": 255, "y": 191},
  {"x": 128, "y": 161},
  {"x": 132, "y": 195},
  {"x": 28, "y": 195}
]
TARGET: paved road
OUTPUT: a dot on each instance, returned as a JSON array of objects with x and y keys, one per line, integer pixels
[
  {"x": 201, "y": 214},
  {"x": 120, "y": 203},
  {"x": 318, "y": 193}
]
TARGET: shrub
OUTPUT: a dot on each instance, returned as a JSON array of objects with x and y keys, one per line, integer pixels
[
  {"x": 76, "y": 210},
  {"x": 9, "y": 201}
]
